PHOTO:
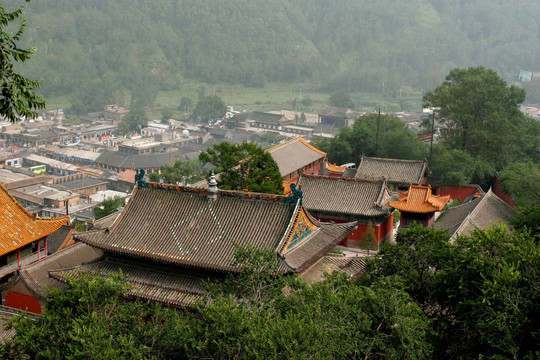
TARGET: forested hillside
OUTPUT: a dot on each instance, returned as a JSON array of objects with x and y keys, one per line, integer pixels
[{"x": 100, "y": 48}]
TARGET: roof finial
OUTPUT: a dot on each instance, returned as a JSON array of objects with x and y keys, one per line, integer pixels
[
  {"x": 212, "y": 188},
  {"x": 296, "y": 194}
]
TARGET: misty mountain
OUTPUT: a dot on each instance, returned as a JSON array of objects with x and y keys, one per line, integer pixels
[{"x": 360, "y": 45}]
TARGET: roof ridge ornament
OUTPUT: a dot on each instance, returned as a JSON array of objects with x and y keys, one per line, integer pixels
[
  {"x": 139, "y": 178},
  {"x": 296, "y": 194},
  {"x": 212, "y": 188}
]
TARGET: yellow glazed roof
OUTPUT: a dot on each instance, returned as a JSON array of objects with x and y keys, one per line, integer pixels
[
  {"x": 18, "y": 227},
  {"x": 419, "y": 199}
]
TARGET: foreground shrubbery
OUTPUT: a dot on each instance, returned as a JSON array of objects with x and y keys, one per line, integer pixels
[{"x": 422, "y": 298}]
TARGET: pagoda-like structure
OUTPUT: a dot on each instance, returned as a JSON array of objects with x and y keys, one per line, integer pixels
[{"x": 418, "y": 205}]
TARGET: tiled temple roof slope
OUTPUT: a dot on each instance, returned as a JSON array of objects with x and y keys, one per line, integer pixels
[
  {"x": 36, "y": 275},
  {"x": 394, "y": 170},
  {"x": 329, "y": 264},
  {"x": 481, "y": 213},
  {"x": 345, "y": 196},
  {"x": 169, "y": 286},
  {"x": 18, "y": 227},
  {"x": 294, "y": 154},
  {"x": 419, "y": 199},
  {"x": 179, "y": 225}
]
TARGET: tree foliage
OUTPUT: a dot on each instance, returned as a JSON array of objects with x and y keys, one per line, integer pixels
[
  {"x": 17, "y": 96},
  {"x": 479, "y": 114},
  {"x": 528, "y": 219},
  {"x": 210, "y": 107},
  {"x": 341, "y": 99},
  {"x": 133, "y": 121},
  {"x": 91, "y": 319},
  {"x": 256, "y": 314},
  {"x": 108, "y": 206},
  {"x": 479, "y": 293},
  {"x": 521, "y": 181},
  {"x": 244, "y": 166},
  {"x": 181, "y": 173},
  {"x": 395, "y": 141}
]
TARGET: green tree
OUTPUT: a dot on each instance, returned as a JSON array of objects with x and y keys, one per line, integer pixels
[
  {"x": 522, "y": 180},
  {"x": 307, "y": 102},
  {"x": 479, "y": 293},
  {"x": 133, "y": 121},
  {"x": 17, "y": 96},
  {"x": 395, "y": 140},
  {"x": 272, "y": 137},
  {"x": 108, "y": 206},
  {"x": 341, "y": 99},
  {"x": 210, "y": 107},
  {"x": 186, "y": 104},
  {"x": 454, "y": 167},
  {"x": 251, "y": 316},
  {"x": 166, "y": 114},
  {"x": 181, "y": 173},
  {"x": 244, "y": 166},
  {"x": 479, "y": 114},
  {"x": 369, "y": 239},
  {"x": 91, "y": 319},
  {"x": 528, "y": 219}
]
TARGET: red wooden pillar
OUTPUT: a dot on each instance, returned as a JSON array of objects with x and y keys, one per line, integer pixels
[
  {"x": 45, "y": 247},
  {"x": 38, "y": 248},
  {"x": 19, "y": 257}
]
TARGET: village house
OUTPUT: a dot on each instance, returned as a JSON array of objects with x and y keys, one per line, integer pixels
[
  {"x": 296, "y": 157},
  {"x": 81, "y": 183},
  {"x": 346, "y": 200}
]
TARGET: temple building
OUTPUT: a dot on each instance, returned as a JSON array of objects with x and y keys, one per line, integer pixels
[
  {"x": 296, "y": 157},
  {"x": 23, "y": 239},
  {"x": 397, "y": 172},
  {"x": 169, "y": 238},
  {"x": 479, "y": 213},
  {"x": 418, "y": 205},
  {"x": 345, "y": 200}
]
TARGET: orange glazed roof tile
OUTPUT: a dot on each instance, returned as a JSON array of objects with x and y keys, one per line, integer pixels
[
  {"x": 18, "y": 227},
  {"x": 335, "y": 168},
  {"x": 419, "y": 199}
]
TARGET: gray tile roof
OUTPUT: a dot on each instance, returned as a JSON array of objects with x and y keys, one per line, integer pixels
[
  {"x": 331, "y": 195},
  {"x": 294, "y": 154},
  {"x": 178, "y": 225},
  {"x": 36, "y": 275},
  {"x": 40, "y": 179},
  {"x": 329, "y": 264},
  {"x": 169, "y": 286},
  {"x": 479, "y": 213},
  {"x": 58, "y": 237},
  {"x": 305, "y": 254},
  {"x": 83, "y": 183},
  {"x": 126, "y": 161},
  {"x": 7, "y": 313},
  {"x": 393, "y": 170}
]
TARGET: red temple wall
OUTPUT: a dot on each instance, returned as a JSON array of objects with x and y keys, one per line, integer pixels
[
  {"x": 457, "y": 192},
  {"x": 24, "y": 302}
]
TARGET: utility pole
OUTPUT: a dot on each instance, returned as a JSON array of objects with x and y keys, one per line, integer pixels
[
  {"x": 377, "y": 134},
  {"x": 432, "y": 136}
]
